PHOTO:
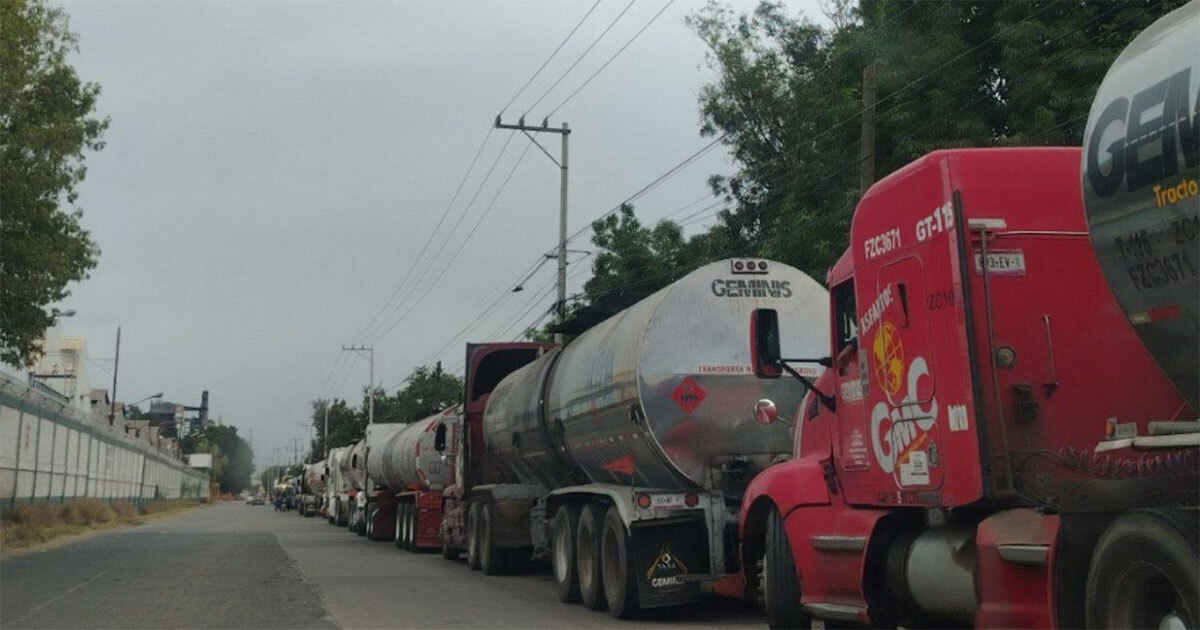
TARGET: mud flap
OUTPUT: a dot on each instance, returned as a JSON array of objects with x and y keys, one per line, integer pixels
[{"x": 663, "y": 555}]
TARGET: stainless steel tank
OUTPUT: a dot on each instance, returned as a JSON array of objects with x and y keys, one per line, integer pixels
[
  {"x": 335, "y": 472},
  {"x": 353, "y": 467},
  {"x": 314, "y": 477},
  {"x": 1140, "y": 174},
  {"x": 370, "y": 447},
  {"x": 661, "y": 394},
  {"x": 411, "y": 459}
]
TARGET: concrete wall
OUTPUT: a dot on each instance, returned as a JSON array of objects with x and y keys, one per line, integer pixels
[{"x": 51, "y": 451}]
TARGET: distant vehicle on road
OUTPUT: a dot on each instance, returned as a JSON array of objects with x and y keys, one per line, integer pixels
[{"x": 257, "y": 500}]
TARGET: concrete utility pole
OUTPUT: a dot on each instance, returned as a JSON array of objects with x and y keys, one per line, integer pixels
[
  {"x": 565, "y": 132},
  {"x": 112, "y": 408},
  {"x": 325, "y": 440},
  {"x": 866, "y": 152},
  {"x": 371, "y": 386}
]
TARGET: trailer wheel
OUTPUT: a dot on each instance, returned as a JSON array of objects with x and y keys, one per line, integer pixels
[
  {"x": 331, "y": 515},
  {"x": 562, "y": 552},
  {"x": 780, "y": 584},
  {"x": 1144, "y": 573},
  {"x": 492, "y": 559},
  {"x": 620, "y": 580},
  {"x": 410, "y": 532},
  {"x": 587, "y": 557},
  {"x": 473, "y": 536},
  {"x": 343, "y": 518},
  {"x": 370, "y": 527},
  {"x": 400, "y": 526}
]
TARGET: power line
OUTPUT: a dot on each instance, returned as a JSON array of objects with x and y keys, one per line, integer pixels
[
  {"x": 580, "y": 58},
  {"x": 610, "y": 59},
  {"x": 547, "y": 61},
  {"x": 462, "y": 244},
  {"x": 425, "y": 247},
  {"x": 400, "y": 304}
]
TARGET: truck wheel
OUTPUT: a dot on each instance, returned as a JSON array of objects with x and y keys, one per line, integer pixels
[
  {"x": 473, "y": 536},
  {"x": 562, "y": 552},
  {"x": 343, "y": 518},
  {"x": 331, "y": 515},
  {"x": 400, "y": 526},
  {"x": 1144, "y": 573},
  {"x": 410, "y": 532},
  {"x": 587, "y": 557},
  {"x": 491, "y": 558},
  {"x": 370, "y": 528},
  {"x": 779, "y": 582},
  {"x": 620, "y": 580}
]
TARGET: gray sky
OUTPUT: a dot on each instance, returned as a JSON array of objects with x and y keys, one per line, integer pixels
[{"x": 273, "y": 169}]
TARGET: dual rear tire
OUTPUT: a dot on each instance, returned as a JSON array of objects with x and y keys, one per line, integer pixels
[
  {"x": 590, "y": 555},
  {"x": 406, "y": 526}
]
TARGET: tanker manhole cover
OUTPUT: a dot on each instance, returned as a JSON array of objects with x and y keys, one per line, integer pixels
[{"x": 688, "y": 395}]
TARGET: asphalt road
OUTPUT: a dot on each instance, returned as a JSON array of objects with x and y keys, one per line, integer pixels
[{"x": 237, "y": 566}]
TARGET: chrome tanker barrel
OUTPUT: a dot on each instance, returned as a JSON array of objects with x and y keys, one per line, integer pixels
[
  {"x": 421, "y": 455},
  {"x": 662, "y": 394},
  {"x": 375, "y": 437},
  {"x": 1141, "y": 190},
  {"x": 334, "y": 471},
  {"x": 354, "y": 465},
  {"x": 314, "y": 477}
]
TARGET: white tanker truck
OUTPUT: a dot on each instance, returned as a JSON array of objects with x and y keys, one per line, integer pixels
[
  {"x": 312, "y": 488},
  {"x": 336, "y": 486},
  {"x": 622, "y": 457},
  {"x": 361, "y": 479}
]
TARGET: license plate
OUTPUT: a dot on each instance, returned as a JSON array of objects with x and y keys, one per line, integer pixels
[
  {"x": 666, "y": 501},
  {"x": 1002, "y": 263}
]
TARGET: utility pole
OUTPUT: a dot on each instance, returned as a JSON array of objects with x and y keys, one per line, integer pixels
[
  {"x": 112, "y": 408},
  {"x": 866, "y": 152},
  {"x": 370, "y": 386},
  {"x": 565, "y": 132},
  {"x": 325, "y": 440}
]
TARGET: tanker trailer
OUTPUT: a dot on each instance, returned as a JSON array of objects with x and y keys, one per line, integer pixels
[
  {"x": 335, "y": 485},
  {"x": 410, "y": 470},
  {"x": 366, "y": 497},
  {"x": 351, "y": 481},
  {"x": 1141, "y": 190},
  {"x": 635, "y": 441},
  {"x": 312, "y": 488}
]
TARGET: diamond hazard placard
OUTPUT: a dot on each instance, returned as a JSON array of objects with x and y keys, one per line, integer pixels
[{"x": 688, "y": 395}]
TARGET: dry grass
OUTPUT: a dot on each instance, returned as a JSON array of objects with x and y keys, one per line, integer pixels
[{"x": 34, "y": 523}]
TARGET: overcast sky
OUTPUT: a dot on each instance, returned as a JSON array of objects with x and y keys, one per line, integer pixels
[{"x": 273, "y": 170}]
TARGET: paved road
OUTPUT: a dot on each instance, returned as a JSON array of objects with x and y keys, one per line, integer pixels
[{"x": 238, "y": 566}]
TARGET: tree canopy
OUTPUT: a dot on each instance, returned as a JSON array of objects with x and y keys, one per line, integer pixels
[
  {"x": 233, "y": 461},
  {"x": 47, "y": 122},
  {"x": 787, "y": 103}
]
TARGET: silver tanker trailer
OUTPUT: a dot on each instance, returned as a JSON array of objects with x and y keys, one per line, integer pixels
[
  {"x": 623, "y": 455},
  {"x": 410, "y": 470},
  {"x": 336, "y": 486},
  {"x": 1141, "y": 190},
  {"x": 312, "y": 488},
  {"x": 363, "y": 501}
]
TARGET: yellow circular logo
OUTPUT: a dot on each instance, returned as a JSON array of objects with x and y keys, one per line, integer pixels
[{"x": 889, "y": 358}]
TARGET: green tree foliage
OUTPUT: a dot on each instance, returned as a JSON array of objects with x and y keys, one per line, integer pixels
[
  {"x": 346, "y": 425},
  {"x": 46, "y": 123},
  {"x": 425, "y": 392},
  {"x": 787, "y": 102},
  {"x": 233, "y": 461}
]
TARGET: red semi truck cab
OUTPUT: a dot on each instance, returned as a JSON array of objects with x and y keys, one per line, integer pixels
[{"x": 987, "y": 420}]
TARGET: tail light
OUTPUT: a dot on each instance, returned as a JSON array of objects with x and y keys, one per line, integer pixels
[
  {"x": 691, "y": 499},
  {"x": 643, "y": 500}
]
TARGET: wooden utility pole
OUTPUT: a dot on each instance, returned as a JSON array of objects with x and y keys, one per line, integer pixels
[{"x": 866, "y": 153}]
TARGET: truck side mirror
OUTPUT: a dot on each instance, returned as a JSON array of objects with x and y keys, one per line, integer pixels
[{"x": 764, "y": 343}]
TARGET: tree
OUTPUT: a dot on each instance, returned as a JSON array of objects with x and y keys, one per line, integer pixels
[
  {"x": 47, "y": 122},
  {"x": 233, "y": 460},
  {"x": 425, "y": 392},
  {"x": 346, "y": 424}
]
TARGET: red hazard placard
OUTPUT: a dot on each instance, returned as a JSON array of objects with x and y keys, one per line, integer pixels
[{"x": 688, "y": 395}]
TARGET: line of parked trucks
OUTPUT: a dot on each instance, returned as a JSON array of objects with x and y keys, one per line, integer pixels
[{"x": 989, "y": 419}]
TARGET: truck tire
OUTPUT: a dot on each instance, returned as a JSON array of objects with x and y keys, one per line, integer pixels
[
  {"x": 616, "y": 567},
  {"x": 473, "y": 536},
  {"x": 343, "y": 518},
  {"x": 406, "y": 526},
  {"x": 587, "y": 556},
  {"x": 331, "y": 515},
  {"x": 492, "y": 559},
  {"x": 410, "y": 532},
  {"x": 779, "y": 581},
  {"x": 1144, "y": 573},
  {"x": 562, "y": 552},
  {"x": 370, "y": 526},
  {"x": 400, "y": 526}
]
